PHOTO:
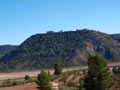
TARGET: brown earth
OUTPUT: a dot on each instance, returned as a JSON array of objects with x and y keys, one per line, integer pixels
[
  {"x": 68, "y": 79},
  {"x": 57, "y": 80},
  {"x": 29, "y": 86},
  {"x": 76, "y": 80},
  {"x": 17, "y": 75},
  {"x": 32, "y": 86}
]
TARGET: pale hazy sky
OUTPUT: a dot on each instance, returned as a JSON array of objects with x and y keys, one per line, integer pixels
[{"x": 20, "y": 19}]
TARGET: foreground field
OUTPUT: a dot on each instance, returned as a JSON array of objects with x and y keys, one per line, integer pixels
[
  {"x": 33, "y": 86},
  {"x": 66, "y": 79},
  {"x": 29, "y": 86},
  {"x": 19, "y": 75}
]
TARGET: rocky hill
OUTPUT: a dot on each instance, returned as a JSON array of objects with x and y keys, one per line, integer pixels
[{"x": 72, "y": 48}]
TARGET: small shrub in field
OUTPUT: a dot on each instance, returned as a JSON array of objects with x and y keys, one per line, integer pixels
[{"x": 27, "y": 78}]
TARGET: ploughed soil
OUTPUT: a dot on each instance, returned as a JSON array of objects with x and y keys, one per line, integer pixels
[
  {"x": 29, "y": 86},
  {"x": 33, "y": 86},
  {"x": 77, "y": 79},
  {"x": 68, "y": 79}
]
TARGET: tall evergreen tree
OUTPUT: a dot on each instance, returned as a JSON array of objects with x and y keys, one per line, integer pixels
[
  {"x": 43, "y": 81},
  {"x": 81, "y": 87},
  {"x": 98, "y": 77},
  {"x": 115, "y": 70},
  {"x": 118, "y": 70},
  {"x": 58, "y": 68}
]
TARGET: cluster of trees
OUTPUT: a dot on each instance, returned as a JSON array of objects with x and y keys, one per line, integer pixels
[
  {"x": 43, "y": 79},
  {"x": 97, "y": 78}
]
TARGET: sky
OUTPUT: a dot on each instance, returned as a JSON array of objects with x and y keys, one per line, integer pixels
[{"x": 19, "y": 19}]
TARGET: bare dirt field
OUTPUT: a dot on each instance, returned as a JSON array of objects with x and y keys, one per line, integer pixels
[
  {"x": 68, "y": 79},
  {"x": 32, "y": 86},
  {"x": 76, "y": 80},
  {"x": 29, "y": 86},
  {"x": 17, "y": 75}
]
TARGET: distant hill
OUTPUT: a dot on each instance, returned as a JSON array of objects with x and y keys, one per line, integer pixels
[
  {"x": 116, "y": 36},
  {"x": 4, "y": 49},
  {"x": 72, "y": 48}
]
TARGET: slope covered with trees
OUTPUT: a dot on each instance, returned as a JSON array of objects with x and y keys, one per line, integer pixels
[
  {"x": 116, "y": 37},
  {"x": 4, "y": 49},
  {"x": 72, "y": 48}
]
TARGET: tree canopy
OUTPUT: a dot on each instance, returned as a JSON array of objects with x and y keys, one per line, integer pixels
[
  {"x": 99, "y": 76},
  {"x": 43, "y": 81},
  {"x": 58, "y": 68}
]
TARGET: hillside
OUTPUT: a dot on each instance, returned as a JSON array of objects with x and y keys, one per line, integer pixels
[
  {"x": 116, "y": 36},
  {"x": 72, "y": 48},
  {"x": 4, "y": 49}
]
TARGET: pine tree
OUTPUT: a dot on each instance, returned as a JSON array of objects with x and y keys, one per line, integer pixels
[
  {"x": 98, "y": 77},
  {"x": 81, "y": 87},
  {"x": 58, "y": 69},
  {"x": 115, "y": 70},
  {"x": 43, "y": 81},
  {"x": 118, "y": 72},
  {"x": 49, "y": 73}
]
